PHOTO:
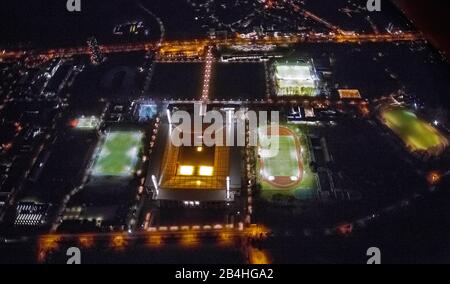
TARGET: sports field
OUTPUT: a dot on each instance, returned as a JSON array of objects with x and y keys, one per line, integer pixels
[
  {"x": 285, "y": 169},
  {"x": 284, "y": 163},
  {"x": 90, "y": 122},
  {"x": 295, "y": 80},
  {"x": 416, "y": 133},
  {"x": 119, "y": 154}
]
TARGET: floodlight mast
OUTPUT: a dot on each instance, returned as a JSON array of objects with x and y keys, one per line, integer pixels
[
  {"x": 169, "y": 117},
  {"x": 228, "y": 188},
  {"x": 155, "y": 184}
]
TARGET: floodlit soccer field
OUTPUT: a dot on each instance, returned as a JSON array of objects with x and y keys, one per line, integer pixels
[
  {"x": 119, "y": 154},
  {"x": 295, "y": 80},
  {"x": 89, "y": 123},
  {"x": 417, "y": 134},
  {"x": 283, "y": 162},
  {"x": 287, "y": 170}
]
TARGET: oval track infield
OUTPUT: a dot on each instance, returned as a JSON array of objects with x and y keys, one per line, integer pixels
[{"x": 285, "y": 169}]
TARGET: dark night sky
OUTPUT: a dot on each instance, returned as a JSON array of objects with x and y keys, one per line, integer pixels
[{"x": 432, "y": 17}]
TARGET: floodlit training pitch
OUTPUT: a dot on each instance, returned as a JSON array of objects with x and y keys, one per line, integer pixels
[
  {"x": 284, "y": 170},
  {"x": 417, "y": 134},
  {"x": 295, "y": 80},
  {"x": 88, "y": 123},
  {"x": 119, "y": 154}
]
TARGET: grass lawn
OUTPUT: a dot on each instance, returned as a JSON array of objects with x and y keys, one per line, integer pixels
[
  {"x": 286, "y": 164},
  {"x": 416, "y": 133},
  {"x": 119, "y": 154}
]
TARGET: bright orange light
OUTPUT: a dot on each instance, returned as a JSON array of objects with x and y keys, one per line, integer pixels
[
  {"x": 49, "y": 242},
  {"x": 186, "y": 170},
  {"x": 199, "y": 149},
  {"x": 118, "y": 242},
  {"x": 257, "y": 231},
  {"x": 86, "y": 241},
  {"x": 189, "y": 239},
  {"x": 155, "y": 240},
  {"x": 434, "y": 178},
  {"x": 46, "y": 244},
  {"x": 225, "y": 238},
  {"x": 257, "y": 256},
  {"x": 349, "y": 94},
  {"x": 206, "y": 171}
]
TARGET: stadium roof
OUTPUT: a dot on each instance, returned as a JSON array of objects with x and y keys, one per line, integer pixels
[
  {"x": 196, "y": 156},
  {"x": 193, "y": 195}
]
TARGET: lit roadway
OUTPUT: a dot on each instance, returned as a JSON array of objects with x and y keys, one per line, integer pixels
[
  {"x": 185, "y": 238},
  {"x": 334, "y": 37}
]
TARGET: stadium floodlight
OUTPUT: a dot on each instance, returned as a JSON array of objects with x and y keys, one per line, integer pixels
[
  {"x": 169, "y": 117},
  {"x": 228, "y": 187},
  {"x": 206, "y": 171},
  {"x": 155, "y": 184},
  {"x": 186, "y": 170}
]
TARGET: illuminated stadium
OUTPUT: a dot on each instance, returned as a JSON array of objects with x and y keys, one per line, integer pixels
[
  {"x": 418, "y": 135},
  {"x": 295, "y": 80},
  {"x": 199, "y": 173},
  {"x": 118, "y": 154},
  {"x": 284, "y": 163}
]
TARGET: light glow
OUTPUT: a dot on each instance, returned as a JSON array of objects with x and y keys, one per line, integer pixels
[
  {"x": 228, "y": 187},
  {"x": 295, "y": 80},
  {"x": 206, "y": 171},
  {"x": 186, "y": 170},
  {"x": 169, "y": 116}
]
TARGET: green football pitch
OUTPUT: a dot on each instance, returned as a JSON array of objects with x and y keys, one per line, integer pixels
[
  {"x": 279, "y": 171},
  {"x": 416, "y": 133},
  {"x": 119, "y": 154},
  {"x": 281, "y": 161}
]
